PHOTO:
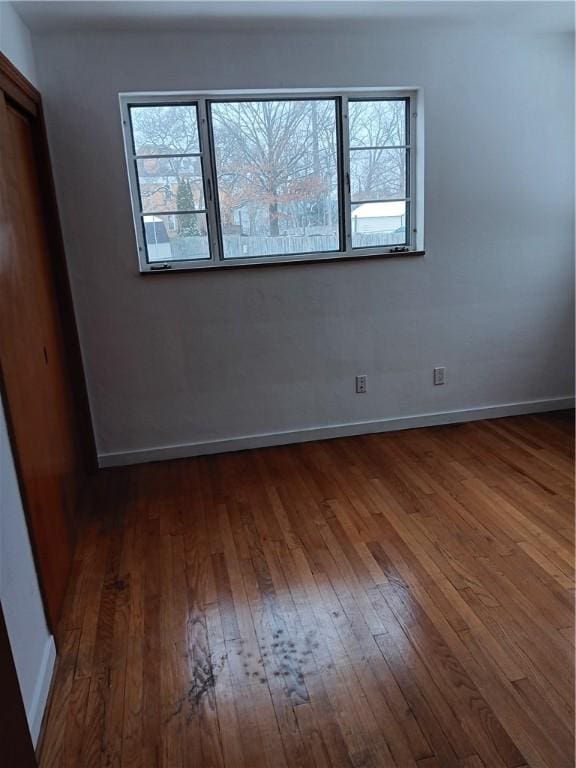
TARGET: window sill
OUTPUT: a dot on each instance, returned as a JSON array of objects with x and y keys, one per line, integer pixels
[{"x": 161, "y": 269}]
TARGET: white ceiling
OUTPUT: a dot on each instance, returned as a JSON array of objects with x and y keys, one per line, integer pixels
[{"x": 75, "y": 15}]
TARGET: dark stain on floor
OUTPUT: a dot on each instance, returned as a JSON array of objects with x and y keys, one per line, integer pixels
[{"x": 281, "y": 658}]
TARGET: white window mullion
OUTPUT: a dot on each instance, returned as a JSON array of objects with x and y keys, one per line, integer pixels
[
  {"x": 415, "y": 236},
  {"x": 133, "y": 184},
  {"x": 209, "y": 186},
  {"x": 345, "y": 149}
]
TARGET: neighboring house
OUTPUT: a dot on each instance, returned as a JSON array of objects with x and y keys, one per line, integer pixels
[
  {"x": 159, "y": 189},
  {"x": 378, "y": 217},
  {"x": 160, "y": 194},
  {"x": 157, "y": 239}
]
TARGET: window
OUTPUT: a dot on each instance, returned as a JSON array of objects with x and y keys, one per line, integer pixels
[
  {"x": 227, "y": 179},
  {"x": 277, "y": 176},
  {"x": 379, "y": 171},
  {"x": 168, "y": 160}
]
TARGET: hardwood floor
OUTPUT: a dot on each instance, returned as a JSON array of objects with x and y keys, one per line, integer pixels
[{"x": 399, "y": 600}]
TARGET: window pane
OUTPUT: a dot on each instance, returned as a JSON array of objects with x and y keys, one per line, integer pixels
[
  {"x": 165, "y": 130},
  {"x": 375, "y": 224},
  {"x": 172, "y": 184},
  {"x": 377, "y": 174},
  {"x": 377, "y": 123},
  {"x": 178, "y": 237},
  {"x": 277, "y": 175}
]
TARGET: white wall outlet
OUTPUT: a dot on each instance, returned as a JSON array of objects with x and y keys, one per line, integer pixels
[
  {"x": 439, "y": 375},
  {"x": 361, "y": 384}
]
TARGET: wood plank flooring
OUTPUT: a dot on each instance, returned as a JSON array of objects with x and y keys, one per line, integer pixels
[{"x": 399, "y": 600}]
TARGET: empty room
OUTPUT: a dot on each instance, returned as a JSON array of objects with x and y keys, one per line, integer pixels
[{"x": 287, "y": 384}]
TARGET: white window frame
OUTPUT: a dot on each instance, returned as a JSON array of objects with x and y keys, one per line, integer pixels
[{"x": 415, "y": 177}]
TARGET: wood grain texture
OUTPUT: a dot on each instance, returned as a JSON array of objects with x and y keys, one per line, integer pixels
[
  {"x": 33, "y": 363},
  {"x": 392, "y": 600},
  {"x": 41, "y": 379}
]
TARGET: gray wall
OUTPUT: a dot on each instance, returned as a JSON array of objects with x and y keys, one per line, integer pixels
[
  {"x": 32, "y": 645},
  {"x": 193, "y": 357}
]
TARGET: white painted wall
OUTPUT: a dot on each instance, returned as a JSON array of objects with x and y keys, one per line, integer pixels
[
  {"x": 174, "y": 360},
  {"x": 16, "y": 42},
  {"x": 32, "y": 645}
]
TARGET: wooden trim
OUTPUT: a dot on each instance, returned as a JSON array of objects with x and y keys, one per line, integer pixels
[
  {"x": 10, "y": 73},
  {"x": 65, "y": 302},
  {"x": 18, "y": 87},
  {"x": 11, "y": 433},
  {"x": 17, "y": 748},
  {"x": 22, "y": 93}
]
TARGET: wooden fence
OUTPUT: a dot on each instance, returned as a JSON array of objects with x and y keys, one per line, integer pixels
[{"x": 239, "y": 246}]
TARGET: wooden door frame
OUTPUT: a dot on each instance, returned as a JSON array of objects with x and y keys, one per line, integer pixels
[{"x": 21, "y": 94}]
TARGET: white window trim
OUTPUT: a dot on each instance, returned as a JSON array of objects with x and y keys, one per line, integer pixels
[{"x": 217, "y": 261}]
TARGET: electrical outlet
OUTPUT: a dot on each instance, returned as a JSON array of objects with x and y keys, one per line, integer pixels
[
  {"x": 439, "y": 375},
  {"x": 361, "y": 384}
]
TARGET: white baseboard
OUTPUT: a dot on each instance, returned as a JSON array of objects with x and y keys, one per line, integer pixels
[
  {"x": 308, "y": 434},
  {"x": 41, "y": 689}
]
